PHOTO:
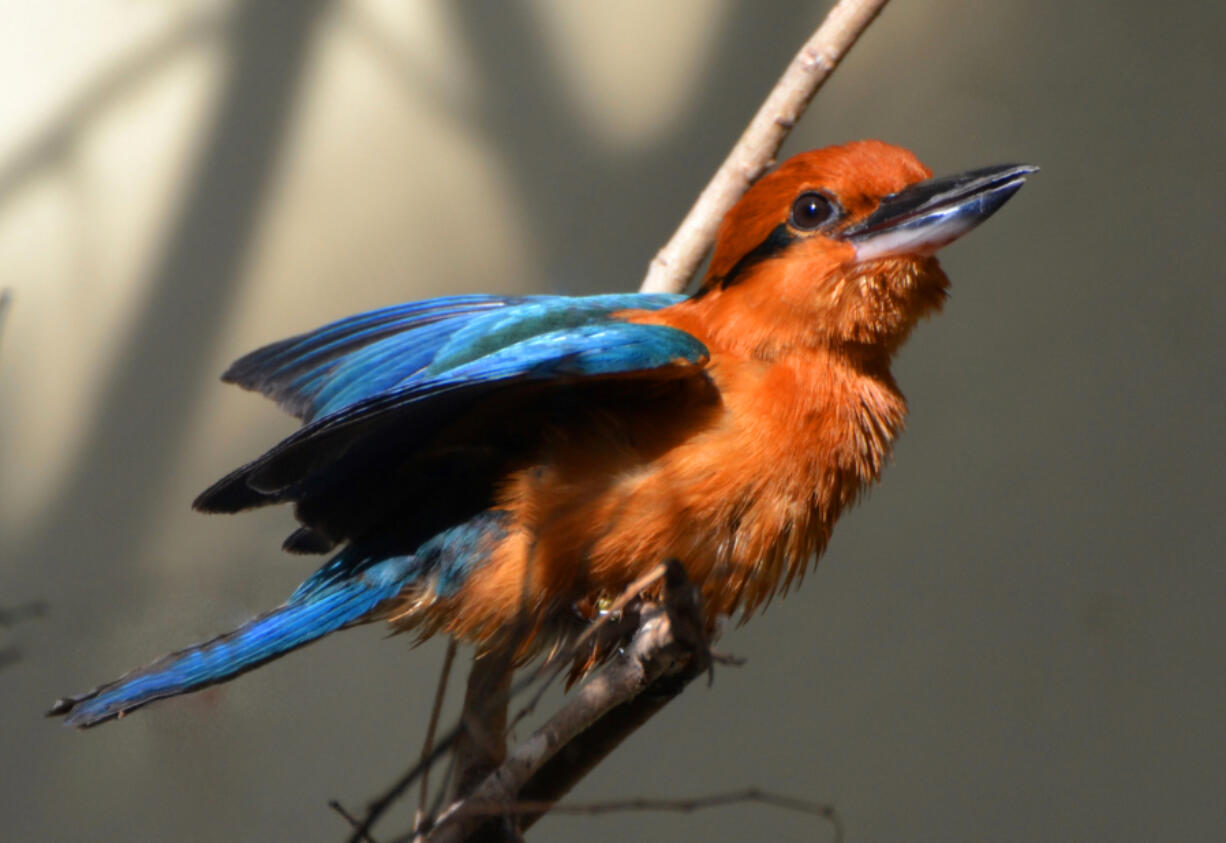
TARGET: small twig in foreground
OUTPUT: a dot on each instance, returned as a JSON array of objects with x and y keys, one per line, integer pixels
[
  {"x": 335, "y": 805},
  {"x": 482, "y": 744},
  {"x": 556, "y": 665},
  {"x": 378, "y": 806},
  {"x": 668, "y": 641},
  {"x": 428, "y": 744},
  {"x": 715, "y": 800},
  {"x": 674, "y": 265}
]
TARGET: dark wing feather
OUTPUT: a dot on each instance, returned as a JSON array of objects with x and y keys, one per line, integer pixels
[{"x": 346, "y": 469}]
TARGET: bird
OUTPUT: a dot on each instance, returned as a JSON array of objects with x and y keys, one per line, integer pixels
[{"x": 491, "y": 467}]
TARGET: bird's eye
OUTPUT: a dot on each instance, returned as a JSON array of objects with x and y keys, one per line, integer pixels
[{"x": 812, "y": 210}]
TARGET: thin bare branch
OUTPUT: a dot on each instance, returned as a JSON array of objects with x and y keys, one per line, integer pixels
[
  {"x": 667, "y": 641},
  {"x": 482, "y": 744},
  {"x": 558, "y": 776},
  {"x": 554, "y": 666},
  {"x": 379, "y": 806},
  {"x": 428, "y": 745},
  {"x": 384, "y": 801},
  {"x": 335, "y": 805},
  {"x": 440, "y": 798},
  {"x": 820, "y": 810},
  {"x": 674, "y": 265}
]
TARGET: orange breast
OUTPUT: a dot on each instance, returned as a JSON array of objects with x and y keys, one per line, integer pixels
[{"x": 740, "y": 477}]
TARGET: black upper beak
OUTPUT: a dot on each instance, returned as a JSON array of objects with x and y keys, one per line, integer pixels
[{"x": 926, "y": 216}]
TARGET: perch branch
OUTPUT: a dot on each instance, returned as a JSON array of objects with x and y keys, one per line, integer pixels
[
  {"x": 567, "y": 768},
  {"x": 482, "y": 745},
  {"x": 674, "y": 265},
  {"x": 668, "y": 641},
  {"x": 552, "y": 668},
  {"x": 428, "y": 744},
  {"x": 755, "y": 795}
]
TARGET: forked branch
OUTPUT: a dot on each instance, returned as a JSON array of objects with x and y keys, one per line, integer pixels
[{"x": 669, "y": 643}]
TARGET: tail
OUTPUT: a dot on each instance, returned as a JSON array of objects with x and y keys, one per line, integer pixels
[{"x": 310, "y": 614}]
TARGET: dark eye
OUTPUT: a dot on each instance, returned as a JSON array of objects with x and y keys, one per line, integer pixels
[{"x": 812, "y": 210}]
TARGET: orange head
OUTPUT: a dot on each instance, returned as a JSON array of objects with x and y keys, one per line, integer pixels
[{"x": 836, "y": 245}]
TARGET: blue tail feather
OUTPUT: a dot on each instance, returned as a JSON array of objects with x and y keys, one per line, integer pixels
[{"x": 303, "y": 619}]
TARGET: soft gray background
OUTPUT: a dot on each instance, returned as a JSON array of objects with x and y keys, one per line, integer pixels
[{"x": 1019, "y": 636}]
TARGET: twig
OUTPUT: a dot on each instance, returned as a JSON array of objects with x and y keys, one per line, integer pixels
[
  {"x": 715, "y": 800},
  {"x": 440, "y": 798},
  {"x": 428, "y": 745},
  {"x": 558, "y": 776},
  {"x": 481, "y": 743},
  {"x": 556, "y": 665},
  {"x": 672, "y": 267},
  {"x": 378, "y": 806},
  {"x": 335, "y": 805},
  {"x": 666, "y": 642}
]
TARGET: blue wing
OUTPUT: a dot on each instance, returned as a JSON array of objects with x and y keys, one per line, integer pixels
[
  {"x": 359, "y": 355},
  {"x": 323, "y": 371},
  {"x": 413, "y": 414},
  {"x": 377, "y": 389}
]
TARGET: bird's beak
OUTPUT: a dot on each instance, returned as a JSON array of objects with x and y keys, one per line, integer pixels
[{"x": 922, "y": 218}]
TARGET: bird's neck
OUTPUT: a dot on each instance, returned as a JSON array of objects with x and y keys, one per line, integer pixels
[
  {"x": 799, "y": 430},
  {"x": 835, "y": 400},
  {"x": 867, "y": 410}
]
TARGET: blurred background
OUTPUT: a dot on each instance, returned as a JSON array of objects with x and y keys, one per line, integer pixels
[{"x": 1020, "y": 634}]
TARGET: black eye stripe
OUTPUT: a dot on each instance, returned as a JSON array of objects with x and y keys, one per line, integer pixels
[
  {"x": 812, "y": 210},
  {"x": 816, "y": 210},
  {"x": 779, "y": 239}
]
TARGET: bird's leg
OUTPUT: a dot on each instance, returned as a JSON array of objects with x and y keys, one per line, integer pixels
[{"x": 688, "y": 656}]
